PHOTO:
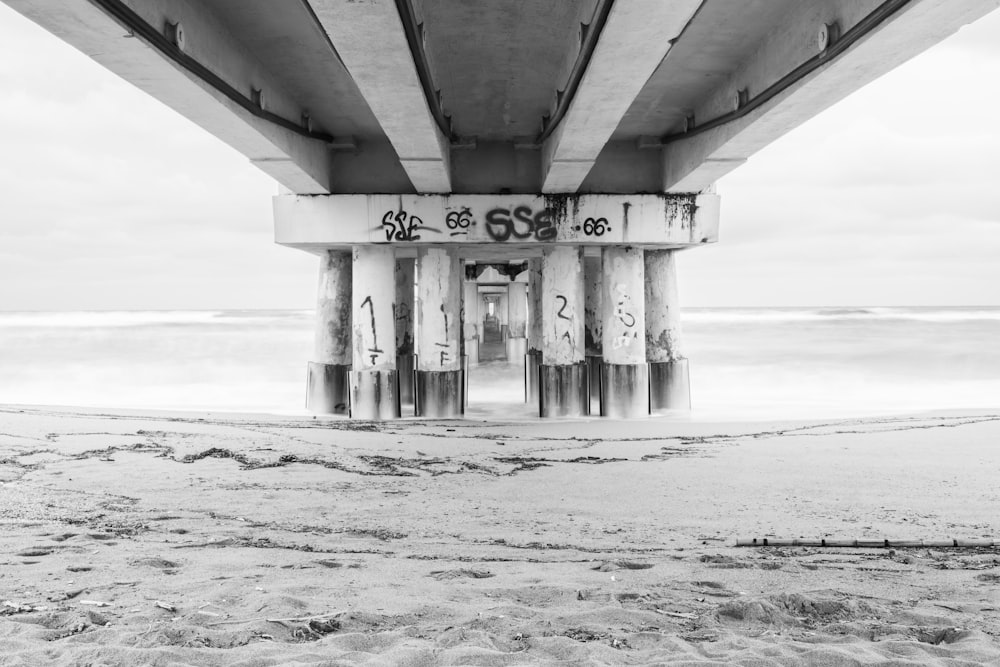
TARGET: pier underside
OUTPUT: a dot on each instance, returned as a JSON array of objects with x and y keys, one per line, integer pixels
[{"x": 516, "y": 170}]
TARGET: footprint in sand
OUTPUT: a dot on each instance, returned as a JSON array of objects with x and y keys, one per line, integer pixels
[
  {"x": 714, "y": 589},
  {"x": 33, "y": 552},
  {"x": 167, "y": 566},
  {"x": 101, "y": 537}
]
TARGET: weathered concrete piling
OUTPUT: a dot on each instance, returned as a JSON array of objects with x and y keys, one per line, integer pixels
[
  {"x": 439, "y": 383},
  {"x": 562, "y": 375},
  {"x": 373, "y": 379},
  {"x": 327, "y": 389},
  {"x": 669, "y": 385},
  {"x": 404, "y": 315},
  {"x": 624, "y": 374}
]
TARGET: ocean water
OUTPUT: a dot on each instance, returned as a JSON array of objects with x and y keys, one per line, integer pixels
[{"x": 745, "y": 363}]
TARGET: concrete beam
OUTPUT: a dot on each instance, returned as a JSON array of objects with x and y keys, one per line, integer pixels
[
  {"x": 692, "y": 165},
  {"x": 370, "y": 39},
  {"x": 299, "y": 163},
  {"x": 634, "y": 40},
  {"x": 495, "y": 223}
]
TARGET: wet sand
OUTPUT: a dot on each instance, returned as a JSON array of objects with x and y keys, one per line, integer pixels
[{"x": 176, "y": 539}]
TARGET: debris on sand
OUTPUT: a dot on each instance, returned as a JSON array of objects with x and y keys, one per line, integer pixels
[
  {"x": 442, "y": 575},
  {"x": 611, "y": 566}
]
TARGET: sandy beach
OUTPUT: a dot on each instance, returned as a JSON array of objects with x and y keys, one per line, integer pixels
[{"x": 204, "y": 539}]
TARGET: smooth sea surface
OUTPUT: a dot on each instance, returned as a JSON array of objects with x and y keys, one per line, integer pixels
[{"x": 745, "y": 362}]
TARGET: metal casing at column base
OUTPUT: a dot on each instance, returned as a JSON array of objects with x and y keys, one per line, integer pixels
[
  {"x": 669, "y": 385},
  {"x": 532, "y": 361},
  {"x": 413, "y": 379},
  {"x": 440, "y": 394},
  {"x": 472, "y": 350},
  {"x": 594, "y": 363},
  {"x": 516, "y": 349},
  {"x": 624, "y": 390},
  {"x": 405, "y": 364},
  {"x": 563, "y": 391},
  {"x": 465, "y": 383},
  {"x": 375, "y": 395},
  {"x": 327, "y": 390}
]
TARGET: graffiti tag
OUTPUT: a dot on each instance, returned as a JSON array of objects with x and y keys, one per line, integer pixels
[
  {"x": 459, "y": 222},
  {"x": 595, "y": 227},
  {"x": 625, "y": 317},
  {"x": 623, "y": 341},
  {"x": 565, "y": 303},
  {"x": 521, "y": 223},
  {"x": 374, "y": 349},
  {"x": 401, "y": 226}
]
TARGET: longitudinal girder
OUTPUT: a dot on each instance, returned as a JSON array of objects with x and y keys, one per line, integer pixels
[{"x": 444, "y": 96}]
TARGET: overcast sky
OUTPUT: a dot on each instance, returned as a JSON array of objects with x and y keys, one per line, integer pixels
[{"x": 109, "y": 200}]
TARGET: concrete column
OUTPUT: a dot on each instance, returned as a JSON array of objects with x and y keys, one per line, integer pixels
[
  {"x": 403, "y": 315},
  {"x": 374, "y": 381},
  {"x": 517, "y": 322},
  {"x": 593, "y": 325},
  {"x": 326, "y": 386},
  {"x": 534, "y": 357},
  {"x": 562, "y": 375},
  {"x": 669, "y": 383},
  {"x": 478, "y": 315},
  {"x": 439, "y": 361},
  {"x": 502, "y": 316},
  {"x": 624, "y": 374},
  {"x": 471, "y": 322}
]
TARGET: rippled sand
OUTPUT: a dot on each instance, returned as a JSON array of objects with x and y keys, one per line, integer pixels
[{"x": 171, "y": 539}]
